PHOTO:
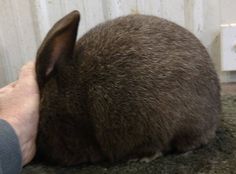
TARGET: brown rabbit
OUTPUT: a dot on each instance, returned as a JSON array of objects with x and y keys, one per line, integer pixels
[{"x": 133, "y": 87}]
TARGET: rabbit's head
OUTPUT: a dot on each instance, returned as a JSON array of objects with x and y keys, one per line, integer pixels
[{"x": 54, "y": 63}]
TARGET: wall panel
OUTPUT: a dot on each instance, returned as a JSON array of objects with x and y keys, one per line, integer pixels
[{"x": 23, "y": 24}]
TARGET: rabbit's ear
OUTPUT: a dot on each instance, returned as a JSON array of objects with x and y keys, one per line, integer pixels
[{"x": 58, "y": 44}]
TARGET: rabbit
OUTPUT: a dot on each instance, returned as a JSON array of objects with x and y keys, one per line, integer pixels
[{"x": 135, "y": 87}]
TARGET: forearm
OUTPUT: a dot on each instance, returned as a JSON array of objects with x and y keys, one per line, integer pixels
[{"x": 10, "y": 153}]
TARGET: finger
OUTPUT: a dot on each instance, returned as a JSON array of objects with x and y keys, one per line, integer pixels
[
  {"x": 13, "y": 84},
  {"x": 9, "y": 86},
  {"x": 28, "y": 71},
  {"x": 27, "y": 78}
]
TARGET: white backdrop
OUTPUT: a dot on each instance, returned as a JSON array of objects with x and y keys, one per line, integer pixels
[{"x": 24, "y": 23}]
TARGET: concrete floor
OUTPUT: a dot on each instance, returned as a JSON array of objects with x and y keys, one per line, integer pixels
[{"x": 228, "y": 88}]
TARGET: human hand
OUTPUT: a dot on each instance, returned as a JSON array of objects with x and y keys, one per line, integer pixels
[{"x": 19, "y": 102}]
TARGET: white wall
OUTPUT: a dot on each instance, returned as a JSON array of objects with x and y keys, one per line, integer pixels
[{"x": 24, "y": 23}]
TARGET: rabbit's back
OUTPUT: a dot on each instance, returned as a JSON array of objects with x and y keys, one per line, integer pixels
[
  {"x": 149, "y": 85},
  {"x": 142, "y": 45}
]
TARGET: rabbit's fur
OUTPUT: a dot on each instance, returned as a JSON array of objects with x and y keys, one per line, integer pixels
[{"x": 129, "y": 88}]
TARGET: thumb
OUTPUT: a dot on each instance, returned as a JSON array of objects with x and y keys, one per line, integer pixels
[
  {"x": 28, "y": 71},
  {"x": 27, "y": 77}
]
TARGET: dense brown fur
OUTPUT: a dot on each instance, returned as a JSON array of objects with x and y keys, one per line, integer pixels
[{"x": 132, "y": 86}]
